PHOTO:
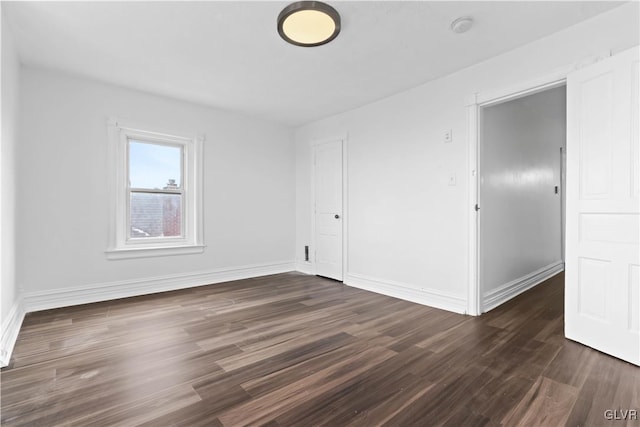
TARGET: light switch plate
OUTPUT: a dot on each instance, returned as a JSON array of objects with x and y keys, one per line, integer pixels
[
  {"x": 448, "y": 135},
  {"x": 452, "y": 179}
]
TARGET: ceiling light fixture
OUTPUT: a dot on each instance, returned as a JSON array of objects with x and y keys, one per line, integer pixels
[
  {"x": 308, "y": 23},
  {"x": 462, "y": 25}
]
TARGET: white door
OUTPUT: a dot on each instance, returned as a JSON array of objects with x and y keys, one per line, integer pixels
[
  {"x": 327, "y": 170},
  {"x": 602, "y": 299}
]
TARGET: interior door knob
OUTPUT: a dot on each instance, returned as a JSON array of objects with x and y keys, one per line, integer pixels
[{"x": 336, "y": 216}]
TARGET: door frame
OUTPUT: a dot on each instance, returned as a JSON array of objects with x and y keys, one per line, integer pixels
[
  {"x": 474, "y": 104},
  {"x": 343, "y": 138}
]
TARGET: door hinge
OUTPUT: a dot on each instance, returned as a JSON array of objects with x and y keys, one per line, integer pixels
[{"x": 477, "y": 208}]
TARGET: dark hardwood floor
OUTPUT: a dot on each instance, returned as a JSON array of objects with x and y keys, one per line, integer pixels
[{"x": 298, "y": 350}]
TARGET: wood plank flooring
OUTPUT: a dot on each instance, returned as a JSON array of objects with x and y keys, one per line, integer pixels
[{"x": 298, "y": 350}]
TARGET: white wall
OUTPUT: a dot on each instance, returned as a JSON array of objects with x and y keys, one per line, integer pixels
[
  {"x": 249, "y": 173},
  {"x": 407, "y": 229},
  {"x": 10, "y": 107},
  {"x": 520, "y": 166}
]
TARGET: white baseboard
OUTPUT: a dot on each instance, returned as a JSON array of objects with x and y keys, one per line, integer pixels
[
  {"x": 304, "y": 267},
  {"x": 10, "y": 330},
  {"x": 514, "y": 288},
  {"x": 44, "y": 300},
  {"x": 421, "y": 295}
]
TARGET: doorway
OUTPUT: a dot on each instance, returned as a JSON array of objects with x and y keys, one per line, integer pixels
[
  {"x": 521, "y": 142},
  {"x": 328, "y": 209},
  {"x": 602, "y": 208}
]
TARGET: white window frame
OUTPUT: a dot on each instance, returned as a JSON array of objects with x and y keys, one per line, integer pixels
[{"x": 121, "y": 245}]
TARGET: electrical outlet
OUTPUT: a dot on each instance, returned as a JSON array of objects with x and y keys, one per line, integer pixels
[{"x": 448, "y": 135}]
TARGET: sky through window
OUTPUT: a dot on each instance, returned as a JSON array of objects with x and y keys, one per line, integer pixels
[{"x": 153, "y": 165}]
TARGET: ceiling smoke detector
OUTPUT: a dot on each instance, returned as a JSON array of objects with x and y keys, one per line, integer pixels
[{"x": 462, "y": 25}]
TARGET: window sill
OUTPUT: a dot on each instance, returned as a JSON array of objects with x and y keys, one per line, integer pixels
[{"x": 153, "y": 251}]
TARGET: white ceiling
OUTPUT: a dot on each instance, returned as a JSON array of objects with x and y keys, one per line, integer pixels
[{"x": 228, "y": 55}]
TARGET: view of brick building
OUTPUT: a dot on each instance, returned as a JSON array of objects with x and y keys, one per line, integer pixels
[{"x": 156, "y": 214}]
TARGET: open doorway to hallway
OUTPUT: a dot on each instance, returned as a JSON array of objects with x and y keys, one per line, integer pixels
[{"x": 521, "y": 148}]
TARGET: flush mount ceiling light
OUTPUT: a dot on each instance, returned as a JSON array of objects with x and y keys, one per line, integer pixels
[
  {"x": 462, "y": 25},
  {"x": 308, "y": 23}
]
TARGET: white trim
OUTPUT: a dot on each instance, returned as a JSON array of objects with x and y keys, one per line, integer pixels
[
  {"x": 312, "y": 206},
  {"x": 143, "y": 128},
  {"x": 154, "y": 251},
  {"x": 44, "y": 300},
  {"x": 474, "y": 103},
  {"x": 10, "y": 330},
  {"x": 420, "y": 295},
  {"x": 529, "y": 87},
  {"x": 345, "y": 207},
  {"x": 320, "y": 141},
  {"x": 120, "y": 245},
  {"x": 514, "y": 288},
  {"x": 473, "y": 293}
]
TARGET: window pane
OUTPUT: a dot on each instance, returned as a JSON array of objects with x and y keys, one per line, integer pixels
[
  {"x": 154, "y": 166},
  {"x": 156, "y": 215}
]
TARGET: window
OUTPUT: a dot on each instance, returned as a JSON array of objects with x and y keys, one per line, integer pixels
[{"x": 156, "y": 192}]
